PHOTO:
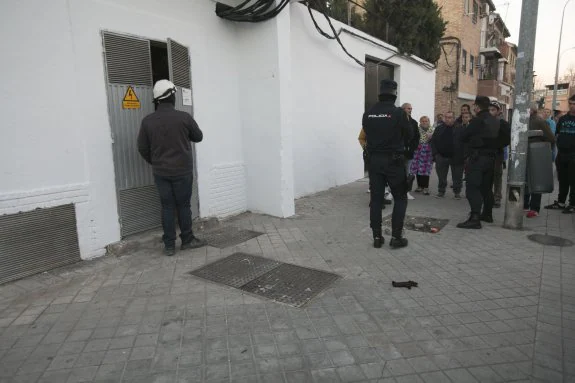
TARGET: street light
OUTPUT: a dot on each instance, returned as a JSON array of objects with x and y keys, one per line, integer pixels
[{"x": 558, "y": 57}]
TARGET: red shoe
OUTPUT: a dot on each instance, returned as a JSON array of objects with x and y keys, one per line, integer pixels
[{"x": 532, "y": 214}]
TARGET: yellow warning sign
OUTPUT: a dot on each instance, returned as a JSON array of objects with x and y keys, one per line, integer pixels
[{"x": 130, "y": 100}]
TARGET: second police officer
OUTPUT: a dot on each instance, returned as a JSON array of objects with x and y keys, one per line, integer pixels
[
  {"x": 387, "y": 132},
  {"x": 483, "y": 139}
]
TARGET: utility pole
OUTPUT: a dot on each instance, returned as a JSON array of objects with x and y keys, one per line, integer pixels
[
  {"x": 558, "y": 58},
  {"x": 520, "y": 122}
]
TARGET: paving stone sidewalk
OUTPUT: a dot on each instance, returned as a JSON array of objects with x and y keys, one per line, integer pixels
[{"x": 491, "y": 306}]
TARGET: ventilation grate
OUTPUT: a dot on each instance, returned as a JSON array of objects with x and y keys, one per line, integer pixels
[{"x": 128, "y": 60}]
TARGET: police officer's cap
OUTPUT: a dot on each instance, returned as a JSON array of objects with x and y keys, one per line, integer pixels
[
  {"x": 388, "y": 87},
  {"x": 482, "y": 100}
]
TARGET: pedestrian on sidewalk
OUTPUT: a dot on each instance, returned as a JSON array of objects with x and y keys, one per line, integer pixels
[
  {"x": 532, "y": 201},
  {"x": 363, "y": 143},
  {"x": 565, "y": 161},
  {"x": 443, "y": 144},
  {"x": 495, "y": 111},
  {"x": 411, "y": 146},
  {"x": 164, "y": 142},
  {"x": 482, "y": 136},
  {"x": 387, "y": 130},
  {"x": 422, "y": 163}
]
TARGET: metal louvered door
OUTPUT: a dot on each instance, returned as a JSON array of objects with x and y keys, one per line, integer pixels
[
  {"x": 181, "y": 75},
  {"x": 129, "y": 66}
]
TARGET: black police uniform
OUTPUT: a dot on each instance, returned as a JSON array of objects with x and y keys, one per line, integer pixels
[
  {"x": 387, "y": 130},
  {"x": 482, "y": 137}
]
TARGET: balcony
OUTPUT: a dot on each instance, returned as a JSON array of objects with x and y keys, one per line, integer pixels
[
  {"x": 489, "y": 88},
  {"x": 490, "y": 47}
]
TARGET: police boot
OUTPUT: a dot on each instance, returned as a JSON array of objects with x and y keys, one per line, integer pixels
[
  {"x": 486, "y": 218},
  {"x": 378, "y": 239},
  {"x": 398, "y": 242},
  {"x": 472, "y": 222}
]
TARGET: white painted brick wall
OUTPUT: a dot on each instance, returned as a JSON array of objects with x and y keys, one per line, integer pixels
[{"x": 228, "y": 192}]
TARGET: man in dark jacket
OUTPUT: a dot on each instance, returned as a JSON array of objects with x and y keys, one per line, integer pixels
[
  {"x": 495, "y": 111},
  {"x": 565, "y": 160},
  {"x": 411, "y": 146},
  {"x": 532, "y": 201},
  {"x": 164, "y": 142},
  {"x": 447, "y": 153},
  {"x": 482, "y": 136}
]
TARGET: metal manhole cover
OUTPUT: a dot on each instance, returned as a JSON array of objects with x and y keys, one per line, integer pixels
[
  {"x": 291, "y": 284},
  {"x": 550, "y": 240},
  {"x": 229, "y": 236},
  {"x": 236, "y": 270},
  {"x": 424, "y": 224}
]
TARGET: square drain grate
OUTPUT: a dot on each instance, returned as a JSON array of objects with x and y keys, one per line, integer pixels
[
  {"x": 229, "y": 236},
  {"x": 236, "y": 270},
  {"x": 291, "y": 284},
  {"x": 423, "y": 224},
  {"x": 277, "y": 281}
]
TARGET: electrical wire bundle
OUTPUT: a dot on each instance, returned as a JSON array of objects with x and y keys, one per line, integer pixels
[
  {"x": 326, "y": 35},
  {"x": 260, "y": 10}
]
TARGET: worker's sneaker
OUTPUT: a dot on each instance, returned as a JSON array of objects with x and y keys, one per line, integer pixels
[
  {"x": 398, "y": 243},
  {"x": 440, "y": 195},
  {"x": 195, "y": 243},
  {"x": 409, "y": 196},
  {"x": 486, "y": 218},
  {"x": 556, "y": 206},
  {"x": 569, "y": 209},
  {"x": 169, "y": 251},
  {"x": 378, "y": 242},
  {"x": 425, "y": 191},
  {"x": 457, "y": 196},
  {"x": 472, "y": 222},
  {"x": 532, "y": 214}
]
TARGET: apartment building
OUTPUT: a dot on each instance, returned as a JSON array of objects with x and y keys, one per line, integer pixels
[
  {"x": 497, "y": 62},
  {"x": 458, "y": 68}
]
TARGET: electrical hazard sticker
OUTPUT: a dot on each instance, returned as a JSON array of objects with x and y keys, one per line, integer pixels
[{"x": 130, "y": 100}]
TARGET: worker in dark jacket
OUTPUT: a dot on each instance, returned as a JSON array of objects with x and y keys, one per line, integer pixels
[
  {"x": 164, "y": 142},
  {"x": 532, "y": 201},
  {"x": 387, "y": 132},
  {"x": 482, "y": 137},
  {"x": 565, "y": 160}
]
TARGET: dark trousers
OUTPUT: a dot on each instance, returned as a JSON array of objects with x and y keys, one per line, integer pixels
[
  {"x": 175, "y": 195},
  {"x": 498, "y": 177},
  {"x": 385, "y": 170},
  {"x": 442, "y": 165},
  {"x": 479, "y": 183},
  {"x": 423, "y": 181},
  {"x": 566, "y": 173},
  {"x": 531, "y": 201}
]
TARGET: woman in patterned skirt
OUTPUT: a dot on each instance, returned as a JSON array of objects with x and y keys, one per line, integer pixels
[{"x": 423, "y": 159}]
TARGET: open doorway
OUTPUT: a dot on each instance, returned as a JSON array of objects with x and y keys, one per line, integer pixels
[{"x": 160, "y": 63}]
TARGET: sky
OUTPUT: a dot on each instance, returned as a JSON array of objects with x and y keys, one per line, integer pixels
[{"x": 548, "y": 26}]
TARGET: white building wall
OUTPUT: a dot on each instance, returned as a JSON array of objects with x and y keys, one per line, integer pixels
[
  {"x": 280, "y": 107},
  {"x": 56, "y": 143},
  {"x": 328, "y": 100}
]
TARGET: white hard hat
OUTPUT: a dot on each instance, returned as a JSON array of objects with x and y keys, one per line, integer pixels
[{"x": 163, "y": 89}]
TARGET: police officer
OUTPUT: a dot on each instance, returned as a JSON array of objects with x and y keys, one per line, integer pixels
[
  {"x": 387, "y": 131},
  {"x": 164, "y": 142},
  {"x": 482, "y": 138}
]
